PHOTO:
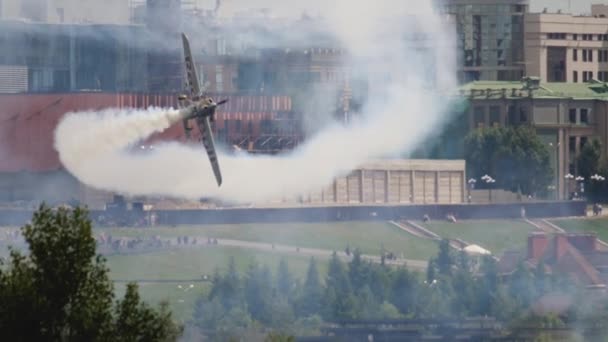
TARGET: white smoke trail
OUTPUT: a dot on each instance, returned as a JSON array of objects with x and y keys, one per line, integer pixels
[{"x": 401, "y": 113}]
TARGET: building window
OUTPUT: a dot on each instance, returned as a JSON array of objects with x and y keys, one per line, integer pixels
[
  {"x": 575, "y": 55},
  {"x": 523, "y": 115},
  {"x": 590, "y": 75},
  {"x": 584, "y": 55},
  {"x": 494, "y": 115},
  {"x": 556, "y": 35},
  {"x": 572, "y": 144},
  {"x": 480, "y": 116},
  {"x": 584, "y": 116},
  {"x": 512, "y": 115},
  {"x": 590, "y": 55},
  {"x": 583, "y": 142},
  {"x": 575, "y": 76},
  {"x": 572, "y": 115},
  {"x": 575, "y": 36},
  {"x": 219, "y": 79}
]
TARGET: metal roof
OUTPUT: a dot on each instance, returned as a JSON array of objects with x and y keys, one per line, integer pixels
[{"x": 553, "y": 90}]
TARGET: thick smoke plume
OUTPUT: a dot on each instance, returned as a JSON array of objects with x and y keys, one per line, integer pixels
[{"x": 407, "y": 74}]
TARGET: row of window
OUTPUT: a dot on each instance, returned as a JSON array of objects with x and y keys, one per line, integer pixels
[
  {"x": 584, "y": 116},
  {"x": 602, "y": 55},
  {"x": 575, "y": 116},
  {"x": 572, "y": 145},
  {"x": 587, "y": 37},
  {"x": 588, "y": 76}
]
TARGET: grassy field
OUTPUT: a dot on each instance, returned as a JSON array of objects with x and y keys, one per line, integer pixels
[
  {"x": 367, "y": 236},
  {"x": 598, "y": 226},
  {"x": 494, "y": 235},
  {"x": 193, "y": 263},
  {"x": 181, "y": 300},
  {"x": 182, "y": 265}
]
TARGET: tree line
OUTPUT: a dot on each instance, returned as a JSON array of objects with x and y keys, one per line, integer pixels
[
  {"x": 520, "y": 161},
  {"x": 454, "y": 286}
]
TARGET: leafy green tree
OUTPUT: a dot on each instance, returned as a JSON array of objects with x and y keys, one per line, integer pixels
[
  {"x": 358, "y": 271},
  {"x": 228, "y": 288},
  {"x": 284, "y": 279},
  {"x": 514, "y": 156},
  {"x": 137, "y": 321},
  {"x": 589, "y": 159},
  {"x": 339, "y": 299},
  {"x": 445, "y": 261},
  {"x": 312, "y": 293},
  {"x": 404, "y": 291},
  {"x": 61, "y": 291},
  {"x": 258, "y": 293}
]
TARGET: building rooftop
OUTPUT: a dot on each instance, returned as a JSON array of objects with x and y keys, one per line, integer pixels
[{"x": 479, "y": 90}]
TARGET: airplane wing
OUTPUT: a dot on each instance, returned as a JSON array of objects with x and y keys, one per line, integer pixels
[
  {"x": 207, "y": 135},
  {"x": 194, "y": 86}
]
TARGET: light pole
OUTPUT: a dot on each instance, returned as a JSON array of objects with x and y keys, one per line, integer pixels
[
  {"x": 489, "y": 180},
  {"x": 557, "y": 167},
  {"x": 581, "y": 181},
  {"x": 471, "y": 182},
  {"x": 569, "y": 177}
]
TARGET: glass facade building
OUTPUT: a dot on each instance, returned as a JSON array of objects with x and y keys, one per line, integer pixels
[{"x": 490, "y": 38}]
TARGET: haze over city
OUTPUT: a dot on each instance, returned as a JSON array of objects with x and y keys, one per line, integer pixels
[{"x": 303, "y": 170}]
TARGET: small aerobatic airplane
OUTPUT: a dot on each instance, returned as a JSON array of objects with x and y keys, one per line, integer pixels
[{"x": 201, "y": 108}]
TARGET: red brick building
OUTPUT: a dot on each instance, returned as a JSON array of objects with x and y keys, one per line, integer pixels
[{"x": 582, "y": 256}]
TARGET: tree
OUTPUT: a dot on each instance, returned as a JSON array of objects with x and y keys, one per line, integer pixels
[
  {"x": 258, "y": 293},
  {"x": 339, "y": 299},
  {"x": 404, "y": 291},
  {"x": 589, "y": 164},
  {"x": 589, "y": 159},
  {"x": 514, "y": 156},
  {"x": 61, "y": 290},
  {"x": 312, "y": 293},
  {"x": 445, "y": 261},
  {"x": 284, "y": 279}
]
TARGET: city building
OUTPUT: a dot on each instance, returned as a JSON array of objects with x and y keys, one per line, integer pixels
[
  {"x": 490, "y": 37},
  {"x": 42, "y": 57},
  {"x": 566, "y": 116},
  {"x": 111, "y": 12},
  {"x": 567, "y": 48}
]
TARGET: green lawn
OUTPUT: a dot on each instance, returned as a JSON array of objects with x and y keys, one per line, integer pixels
[
  {"x": 494, "y": 235},
  {"x": 367, "y": 236},
  {"x": 181, "y": 300},
  {"x": 598, "y": 226},
  {"x": 193, "y": 263},
  {"x": 189, "y": 264}
]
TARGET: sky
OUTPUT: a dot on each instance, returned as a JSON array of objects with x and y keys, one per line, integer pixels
[{"x": 315, "y": 6}]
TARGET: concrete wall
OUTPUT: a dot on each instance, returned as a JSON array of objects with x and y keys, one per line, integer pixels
[{"x": 393, "y": 182}]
